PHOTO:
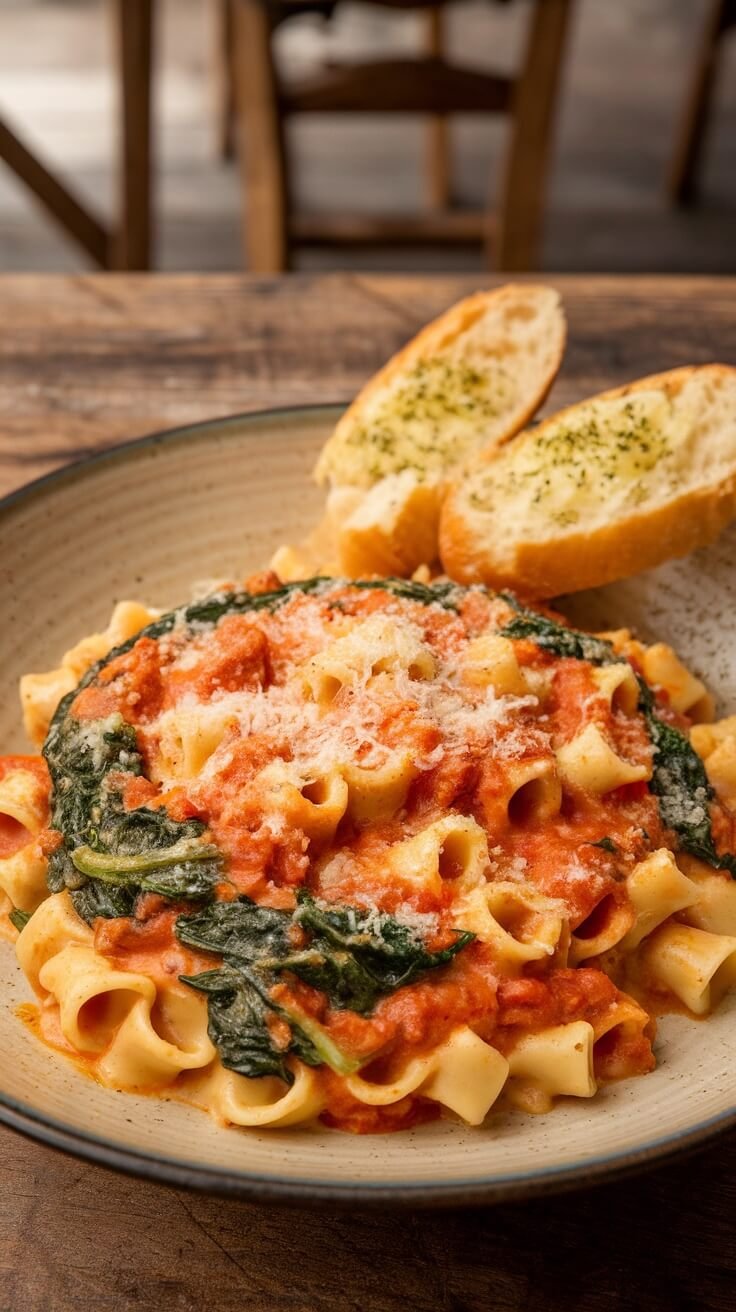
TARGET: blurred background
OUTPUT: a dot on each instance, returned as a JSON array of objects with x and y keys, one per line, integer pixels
[{"x": 606, "y": 142}]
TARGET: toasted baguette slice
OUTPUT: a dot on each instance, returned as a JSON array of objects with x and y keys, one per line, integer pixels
[
  {"x": 470, "y": 379},
  {"x": 390, "y": 529},
  {"x": 606, "y": 488},
  {"x": 393, "y": 529}
]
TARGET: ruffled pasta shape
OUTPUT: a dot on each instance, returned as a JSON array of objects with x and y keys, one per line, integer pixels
[
  {"x": 24, "y": 799},
  {"x": 663, "y": 668},
  {"x": 588, "y": 762},
  {"x": 522, "y": 792},
  {"x": 372, "y": 647},
  {"x": 490, "y": 661},
  {"x": 464, "y": 1074},
  {"x": 141, "y": 1036},
  {"x": 187, "y": 738},
  {"x": 51, "y": 928},
  {"x": 714, "y": 906},
  {"x": 621, "y": 1024},
  {"x": 686, "y": 694},
  {"x": 657, "y": 889},
  {"x": 40, "y": 694},
  {"x": 315, "y": 805},
  {"x": 265, "y": 1103},
  {"x": 607, "y": 925},
  {"x": 617, "y": 685},
  {"x": 157, "y": 1041},
  {"x": 377, "y": 792},
  {"x": 551, "y": 1063},
  {"x": 453, "y": 848},
  {"x": 23, "y": 877},
  {"x": 315, "y": 799},
  {"x": 696, "y": 966},
  {"x": 115, "y": 1015},
  {"x": 519, "y": 922},
  {"x": 534, "y": 790},
  {"x": 716, "y": 744}
]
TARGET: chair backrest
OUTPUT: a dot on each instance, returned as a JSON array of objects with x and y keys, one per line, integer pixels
[{"x": 428, "y": 84}]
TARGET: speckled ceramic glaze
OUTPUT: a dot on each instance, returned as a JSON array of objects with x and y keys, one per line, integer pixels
[{"x": 212, "y": 502}]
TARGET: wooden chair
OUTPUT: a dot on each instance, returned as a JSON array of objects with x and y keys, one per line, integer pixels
[
  {"x": 126, "y": 244},
  {"x": 682, "y": 181},
  {"x": 428, "y": 84}
]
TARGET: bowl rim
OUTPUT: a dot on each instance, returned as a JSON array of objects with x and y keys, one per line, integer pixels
[
  {"x": 259, "y": 1187},
  {"x": 163, "y": 1169}
]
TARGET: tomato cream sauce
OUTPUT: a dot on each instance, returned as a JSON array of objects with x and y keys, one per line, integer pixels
[
  {"x": 463, "y": 744},
  {"x": 13, "y": 834}
]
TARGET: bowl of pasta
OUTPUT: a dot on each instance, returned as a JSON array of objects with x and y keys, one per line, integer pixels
[{"x": 290, "y": 863}]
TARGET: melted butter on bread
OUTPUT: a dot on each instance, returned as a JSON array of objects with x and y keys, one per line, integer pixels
[
  {"x": 602, "y": 490},
  {"x": 606, "y": 459},
  {"x": 425, "y": 420},
  {"x": 469, "y": 380}
]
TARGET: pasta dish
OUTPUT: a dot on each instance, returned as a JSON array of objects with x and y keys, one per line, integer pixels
[{"x": 369, "y": 852}]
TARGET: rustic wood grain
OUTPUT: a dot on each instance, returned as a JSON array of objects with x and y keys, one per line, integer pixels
[
  {"x": 91, "y": 360},
  {"x": 85, "y": 362}
]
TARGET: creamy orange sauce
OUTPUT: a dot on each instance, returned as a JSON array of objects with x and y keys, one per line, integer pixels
[
  {"x": 14, "y": 835},
  {"x": 464, "y": 771}
]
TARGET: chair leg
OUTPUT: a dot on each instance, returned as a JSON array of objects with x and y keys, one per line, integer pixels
[
  {"x": 533, "y": 111},
  {"x": 222, "y": 76},
  {"x": 682, "y": 179},
  {"x": 260, "y": 141},
  {"x": 134, "y": 24},
  {"x": 438, "y": 128},
  {"x": 60, "y": 203}
]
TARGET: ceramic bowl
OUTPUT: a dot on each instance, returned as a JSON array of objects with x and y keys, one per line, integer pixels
[{"x": 212, "y": 502}]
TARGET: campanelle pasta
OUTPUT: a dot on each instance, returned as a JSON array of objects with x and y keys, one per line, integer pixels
[{"x": 370, "y": 852}]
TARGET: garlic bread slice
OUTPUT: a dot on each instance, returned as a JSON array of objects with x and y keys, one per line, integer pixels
[
  {"x": 469, "y": 380},
  {"x": 602, "y": 490}
]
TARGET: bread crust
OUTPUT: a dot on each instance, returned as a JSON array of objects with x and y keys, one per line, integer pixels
[
  {"x": 587, "y": 560},
  {"x": 571, "y": 562},
  {"x": 396, "y": 544},
  {"x": 432, "y": 340}
]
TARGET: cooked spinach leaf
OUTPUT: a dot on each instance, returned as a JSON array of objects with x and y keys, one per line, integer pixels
[
  {"x": 80, "y": 755},
  {"x": 187, "y": 870},
  {"x": 238, "y": 1013},
  {"x": 350, "y": 956},
  {"x": 103, "y": 844},
  {"x": 239, "y": 931},
  {"x": 681, "y": 785},
  {"x": 306, "y": 1029},
  {"x": 19, "y": 918},
  {"x": 355, "y": 959},
  {"x": 238, "y": 1003},
  {"x": 443, "y": 593},
  {"x": 607, "y": 844},
  {"x": 555, "y": 637},
  {"x": 143, "y": 831},
  {"x": 95, "y": 899}
]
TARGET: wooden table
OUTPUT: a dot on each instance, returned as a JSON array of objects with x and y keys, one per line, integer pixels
[{"x": 89, "y": 361}]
